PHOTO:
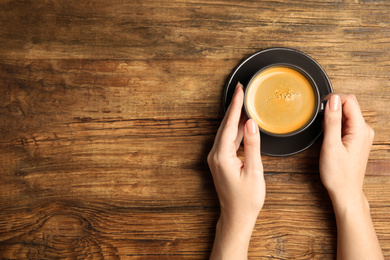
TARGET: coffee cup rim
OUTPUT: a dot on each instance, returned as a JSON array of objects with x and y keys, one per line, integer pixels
[{"x": 312, "y": 83}]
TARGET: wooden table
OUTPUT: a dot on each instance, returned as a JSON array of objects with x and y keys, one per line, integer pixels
[{"x": 108, "y": 110}]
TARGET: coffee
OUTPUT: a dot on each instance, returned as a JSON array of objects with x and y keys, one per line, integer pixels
[{"x": 281, "y": 100}]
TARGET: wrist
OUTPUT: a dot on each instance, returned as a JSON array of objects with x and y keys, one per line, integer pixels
[
  {"x": 232, "y": 238},
  {"x": 241, "y": 226},
  {"x": 351, "y": 204}
]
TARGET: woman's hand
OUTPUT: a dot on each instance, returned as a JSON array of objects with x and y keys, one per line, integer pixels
[
  {"x": 344, "y": 154},
  {"x": 343, "y": 160},
  {"x": 240, "y": 184}
]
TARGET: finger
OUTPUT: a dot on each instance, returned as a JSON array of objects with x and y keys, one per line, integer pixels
[
  {"x": 351, "y": 108},
  {"x": 354, "y": 120},
  {"x": 333, "y": 121},
  {"x": 229, "y": 127},
  {"x": 241, "y": 129},
  {"x": 252, "y": 161},
  {"x": 233, "y": 113},
  {"x": 227, "y": 114}
]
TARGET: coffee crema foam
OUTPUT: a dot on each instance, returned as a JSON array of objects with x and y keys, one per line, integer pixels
[{"x": 281, "y": 100}]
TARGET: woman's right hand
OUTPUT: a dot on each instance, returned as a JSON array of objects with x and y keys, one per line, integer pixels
[
  {"x": 345, "y": 149},
  {"x": 343, "y": 160}
]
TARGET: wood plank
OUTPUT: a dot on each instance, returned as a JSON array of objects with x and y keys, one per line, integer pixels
[
  {"x": 109, "y": 109},
  {"x": 117, "y": 100},
  {"x": 214, "y": 29},
  {"x": 297, "y": 220}
]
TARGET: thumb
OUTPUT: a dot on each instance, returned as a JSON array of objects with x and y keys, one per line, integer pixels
[
  {"x": 332, "y": 120},
  {"x": 252, "y": 162}
]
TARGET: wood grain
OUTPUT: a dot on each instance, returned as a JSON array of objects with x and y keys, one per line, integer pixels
[{"x": 109, "y": 109}]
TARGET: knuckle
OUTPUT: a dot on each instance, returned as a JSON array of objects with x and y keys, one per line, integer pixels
[
  {"x": 209, "y": 158},
  {"x": 230, "y": 124},
  {"x": 259, "y": 171},
  {"x": 334, "y": 120},
  {"x": 250, "y": 142},
  {"x": 255, "y": 170},
  {"x": 213, "y": 159},
  {"x": 352, "y": 97}
]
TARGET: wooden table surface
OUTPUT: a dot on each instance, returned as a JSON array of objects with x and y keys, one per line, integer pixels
[{"x": 108, "y": 110}]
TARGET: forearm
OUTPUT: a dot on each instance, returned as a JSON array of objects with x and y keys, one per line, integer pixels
[
  {"x": 356, "y": 237},
  {"x": 232, "y": 239}
]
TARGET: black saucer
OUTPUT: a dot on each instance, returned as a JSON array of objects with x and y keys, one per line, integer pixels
[{"x": 281, "y": 146}]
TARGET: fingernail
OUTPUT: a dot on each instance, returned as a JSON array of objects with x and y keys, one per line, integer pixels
[
  {"x": 251, "y": 126},
  {"x": 238, "y": 86},
  {"x": 334, "y": 102}
]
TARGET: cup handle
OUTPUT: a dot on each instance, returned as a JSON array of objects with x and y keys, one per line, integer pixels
[{"x": 322, "y": 107}]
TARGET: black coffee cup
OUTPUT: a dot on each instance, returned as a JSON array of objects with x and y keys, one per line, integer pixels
[{"x": 301, "y": 76}]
